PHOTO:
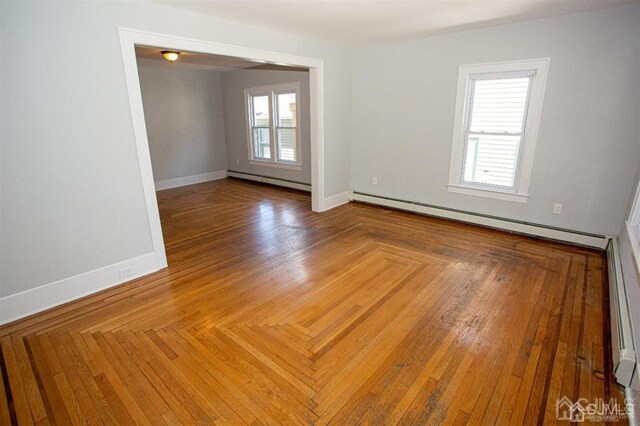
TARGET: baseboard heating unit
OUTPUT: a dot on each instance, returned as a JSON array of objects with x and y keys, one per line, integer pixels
[
  {"x": 287, "y": 183},
  {"x": 624, "y": 354}
]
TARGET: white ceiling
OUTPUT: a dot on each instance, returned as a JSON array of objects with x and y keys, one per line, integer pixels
[{"x": 375, "y": 21}]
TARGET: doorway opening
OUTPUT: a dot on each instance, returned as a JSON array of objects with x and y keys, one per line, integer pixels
[{"x": 280, "y": 147}]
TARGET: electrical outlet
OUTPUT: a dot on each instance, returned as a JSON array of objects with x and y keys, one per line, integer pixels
[
  {"x": 125, "y": 272},
  {"x": 237, "y": 161},
  {"x": 374, "y": 180},
  {"x": 557, "y": 209}
]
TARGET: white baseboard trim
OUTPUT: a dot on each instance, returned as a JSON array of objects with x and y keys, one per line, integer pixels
[
  {"x": 190, "y": 180},
  {"x": 632, "y": 396},
  {"x": 28, "y": 302},
  {"x": 328, "y": 203},
  {"x": 536, "y": 230},
  {"x": 336, "y": 200},
  {"x": 271, "y": 181}
]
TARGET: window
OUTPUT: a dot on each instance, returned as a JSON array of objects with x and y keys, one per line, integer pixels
[
  {"x": 260, "y": 124},
  {"x": 497, "y": 114},
  {"x": 273, "y": 131},
  {"x": 633, "y": 227}
]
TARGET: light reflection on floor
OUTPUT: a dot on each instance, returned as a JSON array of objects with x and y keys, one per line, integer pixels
[{"x": 270, "y": 238}]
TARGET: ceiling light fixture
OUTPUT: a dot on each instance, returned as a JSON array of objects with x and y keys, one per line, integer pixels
[{"x": 170, "y": 55}]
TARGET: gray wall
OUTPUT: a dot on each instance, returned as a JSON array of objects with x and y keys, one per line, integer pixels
[
  {"x": 72, "y": 197},
  {"x": 185, "y": 125},
  {"x": 235, "y": 122},
  {"x": 403, "y": 104}
]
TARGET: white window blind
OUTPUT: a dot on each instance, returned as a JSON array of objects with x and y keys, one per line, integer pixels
[
  {"x": 496, "y": 123},
  {"x": 495, "y": 130}
]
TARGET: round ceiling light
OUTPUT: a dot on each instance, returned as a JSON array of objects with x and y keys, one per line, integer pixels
[{"x": 170, "y": 55}]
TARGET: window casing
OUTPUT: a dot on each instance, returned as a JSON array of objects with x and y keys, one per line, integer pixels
[
  {"x": 496, "y": 124},
  {"x": 633, "y": 227},
  {"x": 273, "y": 125}
]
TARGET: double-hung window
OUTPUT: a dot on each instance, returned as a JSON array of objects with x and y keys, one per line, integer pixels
[
  {"x": 273, "y": 125},
  {"x": 497, "y": 114}
]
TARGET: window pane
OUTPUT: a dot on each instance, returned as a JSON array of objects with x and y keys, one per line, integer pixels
[
  {"x": 491, "y": 159},
  {"x": 261, "y": 146},
  {"x": 499, "y": 105},
  {"x": 287, "y": 110},
  {"x": 260, "y": 111},
  {"x": 287, "y": 144}
]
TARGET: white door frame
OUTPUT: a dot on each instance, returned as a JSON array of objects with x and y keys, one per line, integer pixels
[{"x": 130, "y": 38}]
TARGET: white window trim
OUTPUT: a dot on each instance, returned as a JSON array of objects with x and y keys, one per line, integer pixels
[
  {"x": 487, "y": 192},
  {"x": 272, "y": 91},
  {"x": 524, "y": 166},
  {"x": 633, "y": 228},
  {"x": 280, "y": 165}
]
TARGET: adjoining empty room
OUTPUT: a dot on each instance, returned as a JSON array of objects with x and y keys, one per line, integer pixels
[
  {"x": 208, "y": 117},
  {"x": 319, "y": 212}
]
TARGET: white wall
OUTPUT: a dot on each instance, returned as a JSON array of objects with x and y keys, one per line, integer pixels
[
  {"x": 631, "y": 273},
  {"x": 184, "y": 118},
  {"x": 403, "y": 104},
  {"x": 72, "y": 198},
  {"x": 233, "y": 85}
]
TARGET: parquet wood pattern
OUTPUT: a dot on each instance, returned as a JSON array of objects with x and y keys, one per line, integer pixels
[{"x": 272, "y": 314}]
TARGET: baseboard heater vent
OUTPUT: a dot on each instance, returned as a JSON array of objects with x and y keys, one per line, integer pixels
[
  {"x": 287, "y": 183},
  {"x": 538, "y": 230},
  {"x": 624, "y": 355}
]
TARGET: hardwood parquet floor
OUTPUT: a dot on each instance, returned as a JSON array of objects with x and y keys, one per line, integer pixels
[{"x": 272, "y": 314}]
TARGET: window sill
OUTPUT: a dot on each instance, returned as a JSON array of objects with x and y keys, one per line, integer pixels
[
  {"x": 634, "y": 240},
  {"x": 276, "y": 165},
  {"x": 488, "y": 193}
]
